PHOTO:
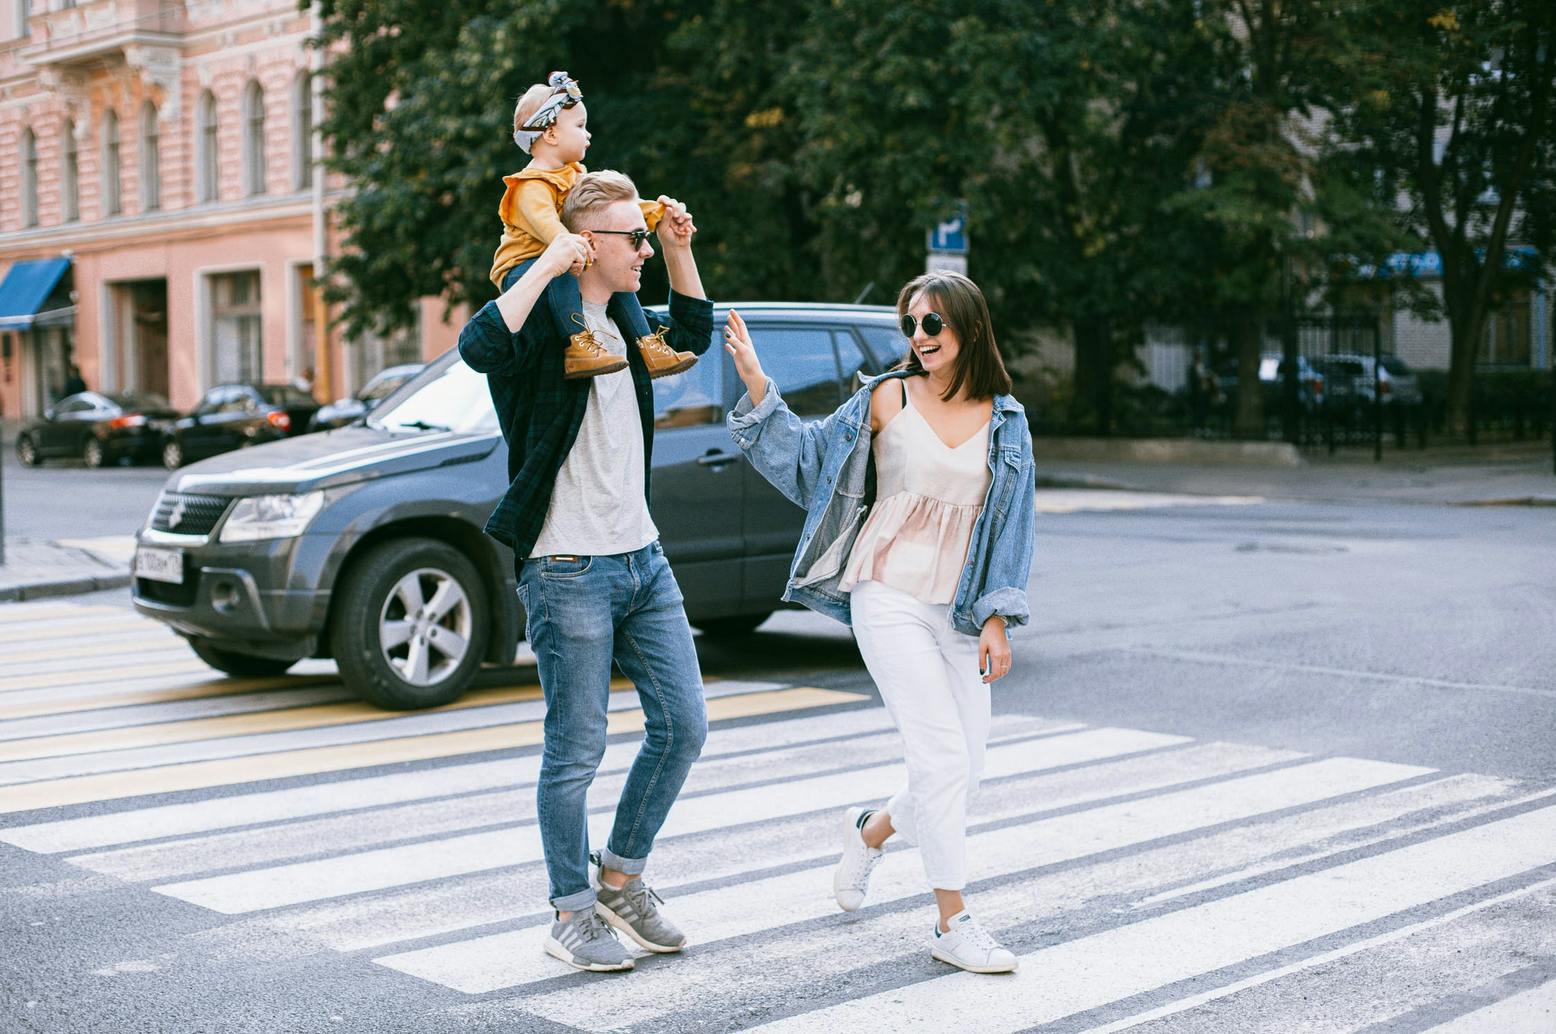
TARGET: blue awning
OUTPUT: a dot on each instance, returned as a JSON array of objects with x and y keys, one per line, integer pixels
[{"x": 27, "y": 286}]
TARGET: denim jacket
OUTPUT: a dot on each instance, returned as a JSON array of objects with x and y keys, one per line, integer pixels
[{"x": 825, "y": 467}]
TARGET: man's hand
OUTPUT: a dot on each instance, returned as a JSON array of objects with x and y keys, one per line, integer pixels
[
  {"x": 737, "y": 342},
  {"x": 567, "y": 253},
  {"x": 675, "y": 226},
  {"x": 993, "y": 650}
]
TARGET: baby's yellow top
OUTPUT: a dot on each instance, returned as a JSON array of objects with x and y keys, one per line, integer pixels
[{"x": 531, "y": 212}]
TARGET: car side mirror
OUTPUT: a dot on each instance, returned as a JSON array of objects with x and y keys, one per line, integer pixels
[{"x": 48, "y": 414}]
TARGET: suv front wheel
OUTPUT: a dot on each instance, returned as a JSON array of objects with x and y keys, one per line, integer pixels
[{"x": 410, "y": 624}]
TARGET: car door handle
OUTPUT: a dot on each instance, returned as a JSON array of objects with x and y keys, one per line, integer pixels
[{"x": 713, "y": 458}]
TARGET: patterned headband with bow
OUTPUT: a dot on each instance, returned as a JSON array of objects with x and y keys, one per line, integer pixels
[{"x": 565, "y": 93}]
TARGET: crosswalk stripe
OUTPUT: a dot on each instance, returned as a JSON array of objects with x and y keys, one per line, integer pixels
[
  {"x": 365, "y": 792},
  {"x": 52, "y": 703},
  {"x": 316, "y": 760},
  {"x": 130, "y": 643},
  {"x": 255, "y": 890},
  {"x": 373, "y": 725},
  {"x": 68, "y": 630},
  {"x": 1528, "y": 1012},
  {"x": 161, "y": 734},
  {"x": 77, "y": 677},
  {"x": 1082, "y": 974},
  {"x": 792, "y": 897},
  {"x": 151, "y": 715},
  {"x": 1506, "y": 1021},
  {"x": 473, "y": 902},
  {"x": 20, "y": 614},
  {"x": 874, "y": 940}
]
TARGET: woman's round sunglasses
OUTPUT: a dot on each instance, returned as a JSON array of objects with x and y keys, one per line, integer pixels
[{"x": 933, "y": 324}]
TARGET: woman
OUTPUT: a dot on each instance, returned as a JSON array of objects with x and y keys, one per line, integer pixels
[{"x": 919, "y": 533}]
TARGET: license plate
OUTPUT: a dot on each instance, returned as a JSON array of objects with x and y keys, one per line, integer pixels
[{"x": 159, "y": 565}]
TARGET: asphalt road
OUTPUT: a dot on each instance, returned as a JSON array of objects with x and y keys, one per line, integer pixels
[
  {"x": 1388, "y": 672},
  {"x": 63, "y": 499}
]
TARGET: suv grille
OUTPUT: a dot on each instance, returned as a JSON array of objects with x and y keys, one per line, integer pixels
[{"x": 186, "y": 514}]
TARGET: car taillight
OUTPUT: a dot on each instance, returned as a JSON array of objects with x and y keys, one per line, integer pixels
[
  {"x": 1383, "y": 387},
  {"x": 1316, "y": 384},
  {"x": 118, "y": 423},
  {"x": 279, "y": 420}
]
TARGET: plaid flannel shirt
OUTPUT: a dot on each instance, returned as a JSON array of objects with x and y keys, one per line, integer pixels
[{"x": 540, "y": 412}]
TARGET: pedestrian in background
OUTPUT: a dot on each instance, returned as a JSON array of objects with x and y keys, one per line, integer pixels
[{"x": 931, "y": 573}]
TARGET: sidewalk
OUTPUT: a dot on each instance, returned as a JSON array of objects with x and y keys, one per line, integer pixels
[
  {"x": 68, "y": 567},
  {"x": 1512, "y": 475}
]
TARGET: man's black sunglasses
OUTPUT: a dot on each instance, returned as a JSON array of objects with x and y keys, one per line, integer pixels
[
  {"x": 638, "y": 236},
  {"x": 933, "y": 324}
]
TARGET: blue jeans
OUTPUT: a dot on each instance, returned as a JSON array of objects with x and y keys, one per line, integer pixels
[{"x": 585, "y": 613}]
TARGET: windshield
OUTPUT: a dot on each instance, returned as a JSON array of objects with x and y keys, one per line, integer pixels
[
  {"x": 452, "y": 399},
  {"x": 1395, "y": 366}
]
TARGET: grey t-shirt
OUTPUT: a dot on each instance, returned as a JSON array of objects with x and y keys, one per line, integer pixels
[{"x": 597, "y": 506}]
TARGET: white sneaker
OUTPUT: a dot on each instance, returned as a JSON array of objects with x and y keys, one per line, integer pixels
[
  {"x": 851, "y": 878},
  {"x": 969, "y": 946}
]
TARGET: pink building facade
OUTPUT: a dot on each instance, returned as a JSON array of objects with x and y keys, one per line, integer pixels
[{"x": 167, "y": 150}]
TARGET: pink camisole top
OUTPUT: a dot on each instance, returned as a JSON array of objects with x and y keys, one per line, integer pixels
[{"x": 928, "y": 496}]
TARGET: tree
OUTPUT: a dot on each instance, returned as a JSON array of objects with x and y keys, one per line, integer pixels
[{"x": 1458, "y": 111}]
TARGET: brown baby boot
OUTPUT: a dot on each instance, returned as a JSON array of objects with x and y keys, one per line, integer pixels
[
  {"x": 660, "y": 358},
  {"x": 586, "y": 357}
]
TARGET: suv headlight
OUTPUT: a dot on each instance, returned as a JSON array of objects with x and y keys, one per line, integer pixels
[{"x": 270, "y": 516}]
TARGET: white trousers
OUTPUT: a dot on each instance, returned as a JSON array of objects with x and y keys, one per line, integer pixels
[{"x": 928, "y": 676}]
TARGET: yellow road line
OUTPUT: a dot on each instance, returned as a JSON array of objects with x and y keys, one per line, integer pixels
[
  {"x": 255, "y": 768},
  {"x": 289, "y": 719},
  {"x": 74, "y": 630},
  {"x": 209, "y": 689},
  {"x": 122, "y": 672},
  {"x": 15, "y": 612},
  {"x": 132, "y": 645}
]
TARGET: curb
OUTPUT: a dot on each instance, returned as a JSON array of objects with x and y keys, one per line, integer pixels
[{"x": 63, "y": 587}]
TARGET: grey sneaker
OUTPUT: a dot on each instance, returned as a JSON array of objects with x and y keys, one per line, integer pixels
[
  {"x": 633, "y": 911},
  {"x": 584, "y": 941}
]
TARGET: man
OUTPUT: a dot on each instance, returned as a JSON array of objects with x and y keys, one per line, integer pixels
[{"x": 592, "y": 577}]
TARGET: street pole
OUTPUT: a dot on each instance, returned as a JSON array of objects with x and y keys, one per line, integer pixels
[{"x": 324, "y": 367}]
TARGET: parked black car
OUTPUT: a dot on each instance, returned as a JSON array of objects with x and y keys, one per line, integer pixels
[
  {"x": 352, "y": 542},
  {"x": 96, "y": 429},
  {"x": 231, "y": 416},
  {"x": 344, "y": 411}
]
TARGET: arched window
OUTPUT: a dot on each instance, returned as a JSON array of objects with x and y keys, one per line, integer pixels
[
  {"x": 253, "y": 138},
  {"x": 302, "y": 130},
  {"x": 205, "y": 148},
  {"x": 70, "y": 176},
  {"x": 150, "y": 159},
  {"x": 111, "y": 205},
  {"x": 29, "y": 179}
]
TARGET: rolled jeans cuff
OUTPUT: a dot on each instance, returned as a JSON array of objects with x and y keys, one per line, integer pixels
[
  {"x": 577, "y": 902},
  {"x": 631, "y": 866}
]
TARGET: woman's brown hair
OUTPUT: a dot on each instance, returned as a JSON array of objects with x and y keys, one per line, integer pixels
[{"x": 961, "y": 305}]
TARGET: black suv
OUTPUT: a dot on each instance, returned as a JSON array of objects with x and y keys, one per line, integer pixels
[{"x": 340, "y": 544}]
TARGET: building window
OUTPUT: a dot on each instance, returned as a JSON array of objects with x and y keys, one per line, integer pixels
[
  {"x": 150, "y": 159},
  {"x": 23, "y": 12},
  {"x": 205, "y": 148},
  {"x": 29, "y": 179},
  {"x": 69, "y": 179},
  {"x": 302, "y": 129},
  {"x": 253, "y": 139},
  {"x": 1506, "y": 340},
  {"x": 235, "y": 327},
  {"x": 111, "y": 205}
]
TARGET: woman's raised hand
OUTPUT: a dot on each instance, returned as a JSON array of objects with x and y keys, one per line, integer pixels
[{"x": 737, "y": 342}]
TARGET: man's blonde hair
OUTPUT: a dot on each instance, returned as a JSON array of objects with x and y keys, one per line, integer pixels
[
  {"x": 594, "y": 192},
  {"x": 529, "y": 103}
]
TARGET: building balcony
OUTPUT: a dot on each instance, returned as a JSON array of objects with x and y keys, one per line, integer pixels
[{"x": 73, "y": 38}]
